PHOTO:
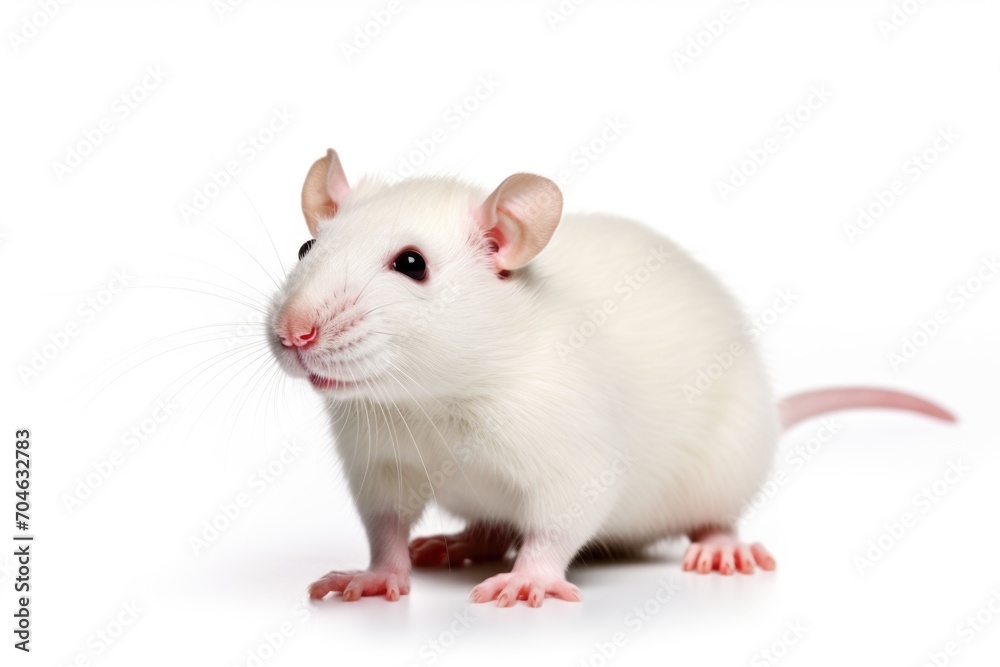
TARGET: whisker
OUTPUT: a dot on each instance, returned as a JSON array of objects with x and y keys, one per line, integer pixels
[
  {"x": 444, "y": 441},
  {"x": 219, "y": 358},
  {"x": 263, "y": 369},
  {"x": 368, "y": 461},
  {"x": 395, "y": 450},
  {"x": 246, "y": 364},
  {"x": 267, "y": 372},
  {"x": 380, "y": 306},
  {"x": 252, "y": 306},
  {"x": 141, "y": 346},
  {"x": 265, "y": 295},
  {"x": 430, "y": 483},
  {"x": 247, "y": 252},
  {"x": 262, "y": 224},
  {"x": 152, "y": 358},
  {"x": 362, "y": 290}
]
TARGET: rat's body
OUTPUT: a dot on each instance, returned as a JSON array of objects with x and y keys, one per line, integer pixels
[
  {"x": 551, "y": 408},
  {"x": 552, "y": 404}
]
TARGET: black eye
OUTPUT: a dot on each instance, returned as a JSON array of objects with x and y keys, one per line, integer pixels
[
  {"x": 304, "y": 250},
  {"x": 411, "y": 264}
]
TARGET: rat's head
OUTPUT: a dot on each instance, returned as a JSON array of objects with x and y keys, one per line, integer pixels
[{"x": 403, "y": 290}]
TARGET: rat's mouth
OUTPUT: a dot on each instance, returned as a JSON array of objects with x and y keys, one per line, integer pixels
[
  {"x": 329, "y": 383},
  {"x": 323, "y": 382}
]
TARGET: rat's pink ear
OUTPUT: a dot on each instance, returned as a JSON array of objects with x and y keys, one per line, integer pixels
[
  {"x": 325, "y": 188},
  {"x": 520, "y": 217}
]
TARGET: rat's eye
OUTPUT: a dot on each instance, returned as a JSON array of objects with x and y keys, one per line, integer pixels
[
  {"x": 411, "y": 264},
  {"x": 304, "y": 250}
]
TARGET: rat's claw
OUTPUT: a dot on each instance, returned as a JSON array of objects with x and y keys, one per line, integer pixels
[
  {"x": 355, "y": 584},
  {"x": 727, "y": 559},
  {"x": 744, "y": 559},
  {"x": 762, "y": 556},
  {"x": 333, "y": 581},
  {"x": 707, "y": 559}
]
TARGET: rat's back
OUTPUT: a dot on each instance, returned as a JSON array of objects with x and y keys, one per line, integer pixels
[{"x": 662, "y": 340}]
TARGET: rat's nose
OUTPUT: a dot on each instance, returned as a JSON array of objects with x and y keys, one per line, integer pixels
[{"x": 299, "y": 332}]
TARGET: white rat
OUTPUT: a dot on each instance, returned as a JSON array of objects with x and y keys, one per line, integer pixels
[{"x": 540, "y": 383}]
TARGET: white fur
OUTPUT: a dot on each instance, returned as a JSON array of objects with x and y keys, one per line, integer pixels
[{"x": 472, "y": 395}]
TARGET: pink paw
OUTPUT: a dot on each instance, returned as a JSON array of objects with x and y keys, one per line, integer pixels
[
  {"x": 476, "y": 544},
  {"x": 355, "y": 584},
  {"x": 723, "y": 553},
  {"x": 510, "y": 587}
]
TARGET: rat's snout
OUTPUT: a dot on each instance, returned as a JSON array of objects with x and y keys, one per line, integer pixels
[{"x": 297, "y": 329}]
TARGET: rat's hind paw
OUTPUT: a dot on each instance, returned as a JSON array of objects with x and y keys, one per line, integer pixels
[
  {"x": 510, "y": 587},
  {"x": 354, "y": 584},
  {"x": 722, "y": 552},
  {"x": 479, "y": 543}
]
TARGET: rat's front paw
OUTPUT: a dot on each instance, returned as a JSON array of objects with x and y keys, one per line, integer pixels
[
  {"x": 354, "y": 584},
  {"x": 510, "y": 587}
]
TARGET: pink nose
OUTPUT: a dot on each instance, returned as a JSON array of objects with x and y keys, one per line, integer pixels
[{"x": 299, "y": 333}]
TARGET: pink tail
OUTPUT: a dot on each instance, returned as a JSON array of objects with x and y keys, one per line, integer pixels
[{"x": 800, "y": 407}]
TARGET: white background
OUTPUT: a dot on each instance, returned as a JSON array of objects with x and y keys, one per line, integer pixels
[{"x": 558, "y": 83}]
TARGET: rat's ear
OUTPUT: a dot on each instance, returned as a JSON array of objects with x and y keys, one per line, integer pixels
[
  {"x": 520, "y": 217},
  {"x": 325, "y": 188}
]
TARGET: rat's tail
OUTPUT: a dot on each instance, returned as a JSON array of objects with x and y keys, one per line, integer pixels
[{"x": 800, "y": 407}]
